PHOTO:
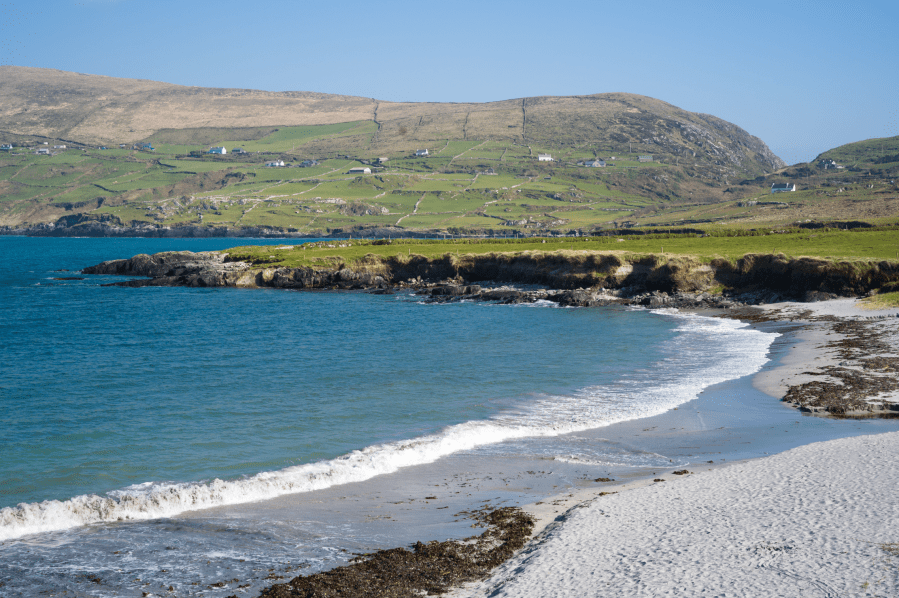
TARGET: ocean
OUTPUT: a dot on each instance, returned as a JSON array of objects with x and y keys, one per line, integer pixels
[{"x": 214, "y": 441}]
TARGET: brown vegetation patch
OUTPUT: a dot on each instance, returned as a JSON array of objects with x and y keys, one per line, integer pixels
[
  {"x": 849, "y": 389},
  {"x": 431, "y": 568}
]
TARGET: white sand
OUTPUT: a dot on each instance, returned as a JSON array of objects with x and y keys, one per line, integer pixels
[{"x": 806, "y": 522}]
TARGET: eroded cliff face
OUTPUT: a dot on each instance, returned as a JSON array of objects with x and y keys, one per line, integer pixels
[{"x": 763, "y": 277}]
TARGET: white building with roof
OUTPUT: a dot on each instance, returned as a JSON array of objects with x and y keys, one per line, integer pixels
[
  {"x": 544, "y": 158},
  {"x": 783, "y": 187}
]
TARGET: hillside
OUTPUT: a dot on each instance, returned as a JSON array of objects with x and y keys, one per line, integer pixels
[
  {"x": 481, "y": 173},
  {"x": 96, "y": 109}
]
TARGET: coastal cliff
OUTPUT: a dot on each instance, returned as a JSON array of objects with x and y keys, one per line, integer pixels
[{"x": 581, "y": 277}]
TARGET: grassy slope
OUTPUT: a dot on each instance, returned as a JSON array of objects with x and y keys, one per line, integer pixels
[{"x": 163, "y": 187}]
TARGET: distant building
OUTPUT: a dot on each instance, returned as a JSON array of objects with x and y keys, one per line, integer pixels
[
  {"x": 308, "y": 163},
  {"x": 275, "y": 163},
  {"x": 43, "y": 152},
  {"x": 423, "y": 152},
  {"x": 102, "y": 147},
  {"x": 593, "y": 163},
  {"x": 825, "y": 164},
  {"x": 783, "y": 187},
  {"x": 382, "y": 160},
  {"x": 360, "y": 170},
  {"x": 544, "y": 158},
  {"x": 238, "y": 150},
  {"x": 146, "y": 146},
  {"x": 645, "y": 158},
  {"x": 123, "y": 145},
  {"x": 59, "y": 147},
  {"x": 6, "y": 147},
  {"x": 217, "y": 150}
]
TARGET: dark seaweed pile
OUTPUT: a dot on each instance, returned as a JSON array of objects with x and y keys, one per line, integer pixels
[
  {"x": 432, "y": 568},
  {"x": 846, "y": 394}
]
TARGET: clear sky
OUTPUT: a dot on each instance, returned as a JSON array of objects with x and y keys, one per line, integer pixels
[{"x": 803, "y": 76}]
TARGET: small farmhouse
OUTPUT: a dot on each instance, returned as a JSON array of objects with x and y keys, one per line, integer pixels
[
  {"x": 275, "y": 163},
  {"x": 423, "y": 152},
  {"x": 783, "y": 187},
  {"x": 238, "y": 150},
  {"x": 825, "y": 164},
  {"x": 217, "y": 150},
  {"x": 308, "y": 163},
  {"x": 593, "y": 163},
  {"x": 360, "y": 170},
  {"x": 6, "y": 147},
  {"x": 59, "y": 147},
  {"x": 645, "y": 158},
  {"x": 43, "y": 152},
  {"x": 544, "y": 158}
]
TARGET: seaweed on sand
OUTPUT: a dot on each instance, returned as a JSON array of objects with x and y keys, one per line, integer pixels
[{"x": 427, "y": 569}]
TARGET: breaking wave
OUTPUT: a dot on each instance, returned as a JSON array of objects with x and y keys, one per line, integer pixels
[{"x": 705, "y": 352}]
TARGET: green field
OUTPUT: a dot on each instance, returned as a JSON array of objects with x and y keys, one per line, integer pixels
[
  {"x": 856, "y": 246},
  {"x": 450, "y": 186}
]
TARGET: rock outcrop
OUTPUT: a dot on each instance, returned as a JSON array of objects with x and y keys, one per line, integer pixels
[{"x": 567, "y": 278}]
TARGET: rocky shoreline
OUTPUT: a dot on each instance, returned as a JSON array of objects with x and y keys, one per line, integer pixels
[{"x": 582, "y": 279}]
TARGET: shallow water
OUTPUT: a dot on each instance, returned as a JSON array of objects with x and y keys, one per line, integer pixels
[{"x": 186, "y": 437}]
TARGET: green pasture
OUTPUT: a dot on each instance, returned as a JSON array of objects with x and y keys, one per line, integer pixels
[
  {"x": 202, "y": 166},
  {"x": 83, "y": 193},
  {"x": 833, "y": 245},
  {"x": 497, "y": 181},
  {"x": 292, "y": 188},
  {"x": 437, "y": 185},
  {"x": 432, "y": 203}
]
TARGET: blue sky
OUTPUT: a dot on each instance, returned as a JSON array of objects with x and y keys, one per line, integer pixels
[{"x": 803, "y": 76}]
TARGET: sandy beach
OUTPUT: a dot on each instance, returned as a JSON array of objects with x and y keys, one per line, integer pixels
[{"x": 815, "y": 520}]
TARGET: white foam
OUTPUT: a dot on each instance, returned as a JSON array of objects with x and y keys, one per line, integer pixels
[{"x": 690, "y": 368}]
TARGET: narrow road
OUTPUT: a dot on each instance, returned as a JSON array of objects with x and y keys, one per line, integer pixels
[{"x": 414, "y": 210}]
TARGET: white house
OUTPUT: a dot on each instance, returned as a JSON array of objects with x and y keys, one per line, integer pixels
[
  {"x": 275, "y": 163},
  {"x": 6, "y": 147},
  {"x": 43, "y": 152},
  {"x": 423, "y": 152},
  {"x": 594, "y": 163},
  {"x": 217, "y": 150},
  {"x": 783, "y": 187},
  {"x": 544, "y": 158},
  {"x": 59, "y": 147},
  {"x": 360, "y": 170}
]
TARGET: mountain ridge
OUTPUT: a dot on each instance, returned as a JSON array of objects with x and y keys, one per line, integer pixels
[{"x": 102, "y": 109}]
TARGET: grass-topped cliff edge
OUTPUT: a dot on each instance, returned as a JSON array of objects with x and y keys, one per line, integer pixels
[{"x": 790, "y": 263}]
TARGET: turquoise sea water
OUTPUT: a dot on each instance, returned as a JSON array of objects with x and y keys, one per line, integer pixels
[
  {"x": 107, "y": 387},
  {"x": 135, "y": 421}
]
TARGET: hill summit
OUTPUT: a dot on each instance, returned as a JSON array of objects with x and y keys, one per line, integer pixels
[{"x": 97, "y": 109}]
